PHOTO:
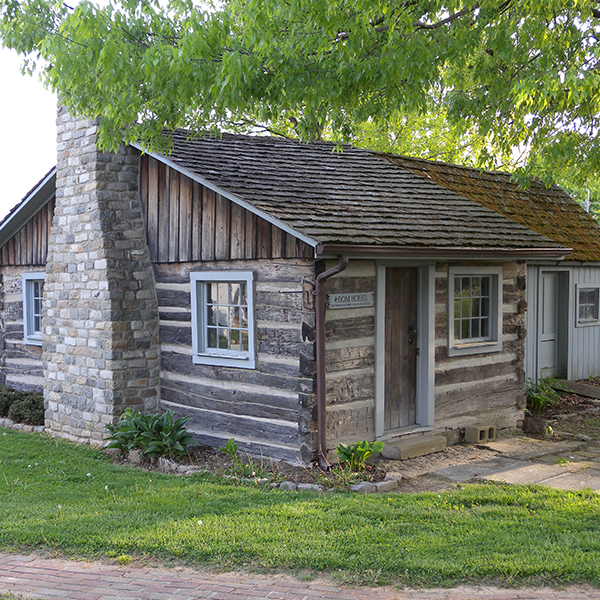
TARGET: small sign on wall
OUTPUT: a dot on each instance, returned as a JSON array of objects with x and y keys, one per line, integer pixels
[{"x": 355, "y": 300}]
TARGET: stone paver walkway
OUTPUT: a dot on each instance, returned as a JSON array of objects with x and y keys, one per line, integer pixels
[
  {"x": 42, "y": 578},
  {"x": 570, "y": 465}
]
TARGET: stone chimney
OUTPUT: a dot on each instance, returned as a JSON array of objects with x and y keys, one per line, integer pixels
[{"x": 100, "y": 315}]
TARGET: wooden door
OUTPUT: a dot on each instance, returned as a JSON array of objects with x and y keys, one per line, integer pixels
[
  {"x": 548, "y": 327},
  {"x": 400, "y": 347}
]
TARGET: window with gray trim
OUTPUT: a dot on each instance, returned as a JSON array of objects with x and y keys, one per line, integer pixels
[
  {"x": 474, "y": 310},
  {"x": 33, "y": 290},
  {"x": 588, "y": 304},
  {"x": 223, "y": 318}
]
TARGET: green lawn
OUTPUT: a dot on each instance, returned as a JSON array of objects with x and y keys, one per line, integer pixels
[{"x": 70, "y": 498}]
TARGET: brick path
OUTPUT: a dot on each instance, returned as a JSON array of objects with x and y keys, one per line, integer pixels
[{"x": 34, "y": 577}]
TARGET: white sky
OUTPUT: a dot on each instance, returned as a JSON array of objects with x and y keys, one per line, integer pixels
[{"x": 28, "y": 137}]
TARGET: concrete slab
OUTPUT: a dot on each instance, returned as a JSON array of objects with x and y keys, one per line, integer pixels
[
  {"x": 525, "y": 473},
  {"x": 587, "y": 479},
  {"x": 413, "y": 446},
  {"x": 525, "y": 448},
  {"x": 475, "y": 470}
]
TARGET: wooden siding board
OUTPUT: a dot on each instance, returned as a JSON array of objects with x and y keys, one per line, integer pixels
[
  {"x": 185, "y": 219},
  {"x": 153, "y": 201},
  {"x": 208, "y": 224},
  {"x": 163, "y": 213},
  {"x": 237, "y": 232},
  {"x": 250, "y": 241},
  {"x": 196, "y": 218},
  {"x": 222, "y": 227}
]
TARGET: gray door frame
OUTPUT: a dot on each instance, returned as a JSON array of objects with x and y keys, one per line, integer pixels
[{"x": 424, "y": 418}]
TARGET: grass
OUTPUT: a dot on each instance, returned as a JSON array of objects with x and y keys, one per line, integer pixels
[{"x": 71, "y": 499}]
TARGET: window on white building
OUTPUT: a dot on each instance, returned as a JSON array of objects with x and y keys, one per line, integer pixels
[{"x": 588, "y": 305}]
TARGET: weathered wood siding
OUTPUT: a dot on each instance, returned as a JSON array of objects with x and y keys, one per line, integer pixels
[
  {"x": 484, "y": 388},
  {"x": 584, "y": 348},
  {"x": 20, "y": 363},
  {"x": 29, "y": 246},
  {"x": 350, "y": 358},
  {"x": 269, "y": 407},
  {"x": 580, "y": 344},
  {"x": 188, "y": 222}
]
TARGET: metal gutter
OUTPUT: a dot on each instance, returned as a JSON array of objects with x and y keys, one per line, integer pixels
[
  {"x": 320, "y": 342},
  {"x": 444, "y": 252}
]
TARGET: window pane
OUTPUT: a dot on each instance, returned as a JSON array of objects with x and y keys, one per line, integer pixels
[
  {"x": 245, "y": 344},
  {"x": 466, "y": 286},
  {"x": 485, "y": 327},
  {"x": 234, "y": 293},
  {"x": 211, "y": 315},
  {"x": 222, "y": 293},
  {"x": 475, "y": 307},
  {"x": 211, "y": 341},
  {"x": 475, "y": 329},
  {"x": 485, "y": 286},
  {"x": 223, "y": 339},
  {"x": 211, "y": 293},
  {"x": 457, "y": 329},
  {"x": 222, "y": 316},
  {"x": 465, "y": 330}
]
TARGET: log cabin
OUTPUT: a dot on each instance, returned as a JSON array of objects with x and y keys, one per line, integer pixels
[{"x": 291, "y": 296}]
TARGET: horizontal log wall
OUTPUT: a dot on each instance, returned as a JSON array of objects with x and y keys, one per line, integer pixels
[
  {"x": 29, "y": 246},
  {"x": 20, "y": 363},
  {"x": 267, "y": 409},
  {"x": 188, "y": 222},
  {"x": 350, "y": 358},
  {"x": 481, "y": 388}
]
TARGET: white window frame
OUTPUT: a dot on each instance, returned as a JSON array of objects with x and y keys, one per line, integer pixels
[
  {"x": 224, "y": 358},
  {"x": 580, "y": 287},
  {"x": 30, "y": 334},
  {"x": 493, "y": 343}
]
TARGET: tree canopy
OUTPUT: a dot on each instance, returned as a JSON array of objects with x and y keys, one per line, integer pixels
[{"x": 476, "y": 80}]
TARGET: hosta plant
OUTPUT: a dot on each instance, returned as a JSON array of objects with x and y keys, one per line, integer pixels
[
  {"x": 355, "y": 456},
  {"x": 155, "y": 435}
]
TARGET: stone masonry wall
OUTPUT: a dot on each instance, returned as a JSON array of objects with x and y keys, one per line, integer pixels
[{"x": 100, "y": 316}]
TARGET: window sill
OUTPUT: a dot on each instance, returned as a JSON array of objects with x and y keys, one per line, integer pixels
[
  {"x": 590, "y": 323},
  {"x": 224, "y": 361},
  {"x": 475, "y": 348},
  {"x": 33, "y": 341}
]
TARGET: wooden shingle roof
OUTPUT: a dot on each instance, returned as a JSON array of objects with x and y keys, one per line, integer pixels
[
  {"x": 354, "y": 197},
  {"x": 548, "y": 210}
]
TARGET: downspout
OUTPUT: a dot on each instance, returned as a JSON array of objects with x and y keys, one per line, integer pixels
[{"x": 320, "y": 348}]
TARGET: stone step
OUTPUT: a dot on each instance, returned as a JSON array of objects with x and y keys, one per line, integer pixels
[{"x": 411, "y": 446}]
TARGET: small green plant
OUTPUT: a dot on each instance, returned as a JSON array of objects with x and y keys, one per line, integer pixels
[
  {"x": 244, "y": 466},
  {"x": 155, "y": 435},
  {"x": 541, "y": 395},
  {"x": 355, "y": 456}
]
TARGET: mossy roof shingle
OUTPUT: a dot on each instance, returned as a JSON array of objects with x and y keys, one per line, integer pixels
[{"x": 353, "y": 197}]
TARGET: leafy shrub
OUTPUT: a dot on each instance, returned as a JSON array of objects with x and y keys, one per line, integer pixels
[
  {"x": 355, "y": 456},
  {"x": 541, "y": 395},
  {"x": 6, "y": 398},
  {"x": 26, "y": 407},
  {"x": 155, "y": 435}
]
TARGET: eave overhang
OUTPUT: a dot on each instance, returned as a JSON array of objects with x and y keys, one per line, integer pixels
[
  {"x": 37, "y": 198},
  {"x": 443, "y": 253}
]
